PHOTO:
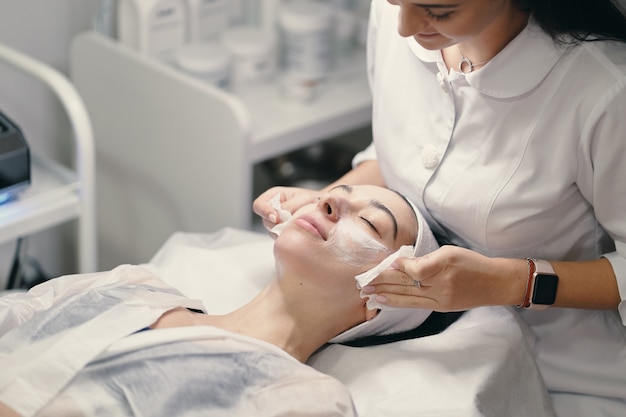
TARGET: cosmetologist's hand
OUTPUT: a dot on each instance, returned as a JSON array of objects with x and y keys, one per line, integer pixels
[
  {"x": 291, "y": 199},
  {"x": 451, "y": 279}
]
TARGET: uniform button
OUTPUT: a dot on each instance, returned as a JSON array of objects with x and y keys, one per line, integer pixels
[{"x": 430, "y": 157}]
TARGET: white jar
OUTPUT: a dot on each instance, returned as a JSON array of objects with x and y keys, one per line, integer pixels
[
  {"x": 152, "y": 27},
  {"x": 306, "y": 30},
  {"x": 253, "y": 51},
  {"x": 208, "y": 19},
  {"x": 208, "y": 61}
]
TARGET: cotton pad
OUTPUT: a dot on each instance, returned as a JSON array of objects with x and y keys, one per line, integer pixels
[
  {"x": 283, "y": 215},
  {"x": 366, "y": 277}
]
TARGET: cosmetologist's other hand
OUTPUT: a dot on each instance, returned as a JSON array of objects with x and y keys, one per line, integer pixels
[{"x": 291, "y": 199}]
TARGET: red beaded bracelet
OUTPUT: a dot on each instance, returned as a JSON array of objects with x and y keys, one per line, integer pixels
[{"x": 531, "y": 271}]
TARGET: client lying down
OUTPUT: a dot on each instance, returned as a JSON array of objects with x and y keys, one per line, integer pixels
[{"x": 124, "y": 343}]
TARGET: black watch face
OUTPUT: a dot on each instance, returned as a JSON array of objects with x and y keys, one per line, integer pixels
[{"x": 545, "y": 289}]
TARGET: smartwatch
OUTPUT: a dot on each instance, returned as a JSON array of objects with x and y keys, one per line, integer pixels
[{"x": 543, "y": 287}]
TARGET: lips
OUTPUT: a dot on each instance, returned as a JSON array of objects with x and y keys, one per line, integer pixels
[{"x": 311, "y": 224}]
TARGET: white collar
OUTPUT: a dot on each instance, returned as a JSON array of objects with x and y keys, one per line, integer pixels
[{"x": 506, "y": 75}]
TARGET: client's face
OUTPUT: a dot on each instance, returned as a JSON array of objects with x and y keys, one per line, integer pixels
[{"x": 350, "y": 230}]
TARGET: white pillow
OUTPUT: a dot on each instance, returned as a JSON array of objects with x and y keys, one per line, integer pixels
[{"x": 224, "y": 270}]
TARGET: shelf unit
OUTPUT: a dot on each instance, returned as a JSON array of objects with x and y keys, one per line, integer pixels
[
  {"x": 57, "y": 193},
  {"x": 176, "y": 154}
]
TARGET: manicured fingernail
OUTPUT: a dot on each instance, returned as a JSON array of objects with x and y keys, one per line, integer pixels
[
  {"x": 272, "y": 218},
  {"x": 381, "y": 299},
  {"x": 368, "y": 289},
  {"x": 395, "y": 264}
]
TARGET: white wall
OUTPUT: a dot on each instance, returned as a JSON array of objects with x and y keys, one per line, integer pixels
[{"x": 42, "y": 29}]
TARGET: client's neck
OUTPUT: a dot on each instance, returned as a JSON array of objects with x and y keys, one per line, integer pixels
[{"x": 289, "y": 318}]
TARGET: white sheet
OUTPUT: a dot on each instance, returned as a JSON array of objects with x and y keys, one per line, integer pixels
[
  {"x": 481, "y": 366},
  {"x": 87, "y": 355}
]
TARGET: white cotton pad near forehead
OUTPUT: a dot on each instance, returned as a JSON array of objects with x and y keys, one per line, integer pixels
[{"x": 392, "y": 320}]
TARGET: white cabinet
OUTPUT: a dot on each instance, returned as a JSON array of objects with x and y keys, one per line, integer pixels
[
  {"x": 57, "y": 193},
  {"x": 173, "y": 153}
]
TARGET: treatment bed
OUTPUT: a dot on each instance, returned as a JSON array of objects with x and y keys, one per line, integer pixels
[{"x": 481, "y": 365}]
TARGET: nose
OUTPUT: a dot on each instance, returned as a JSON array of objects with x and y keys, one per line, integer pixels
[
  {"x": 333, "y": 206},
  {"x": 410, "y": 20}
]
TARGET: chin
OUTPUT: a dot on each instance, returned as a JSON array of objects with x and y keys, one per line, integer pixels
[
  {"x": 441, "y": 42},
  {"x": 294, "y": 247}
]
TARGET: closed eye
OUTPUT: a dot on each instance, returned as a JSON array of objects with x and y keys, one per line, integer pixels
[
  {"x": 371, "y": 226},
  {"x": 378, "y": 205},
  {"x": 437, "y": 16}
]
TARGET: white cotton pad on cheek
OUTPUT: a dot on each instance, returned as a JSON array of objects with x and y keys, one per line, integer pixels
[
  {"x": 283, "y": 215},
  {"x": 367, "y": 276}
]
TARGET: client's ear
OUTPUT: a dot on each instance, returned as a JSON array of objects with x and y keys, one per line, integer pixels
[{"x": 370, "y": 314}]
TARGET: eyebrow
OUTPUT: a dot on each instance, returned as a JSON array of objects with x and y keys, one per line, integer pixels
[
  {"x": 436, "y": 5},
  {"x": 377, "y": 204}
]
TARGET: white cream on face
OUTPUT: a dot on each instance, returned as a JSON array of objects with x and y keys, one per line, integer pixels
[
  {"x": 352, "y": 244},
  {"x": 348, "y": 241}
]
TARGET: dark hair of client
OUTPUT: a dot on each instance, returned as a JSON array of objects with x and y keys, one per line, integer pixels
[{"x": 434, "y": 324}]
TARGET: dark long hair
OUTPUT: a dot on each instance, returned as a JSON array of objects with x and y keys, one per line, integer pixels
[{"x": 574, "y": 21}]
